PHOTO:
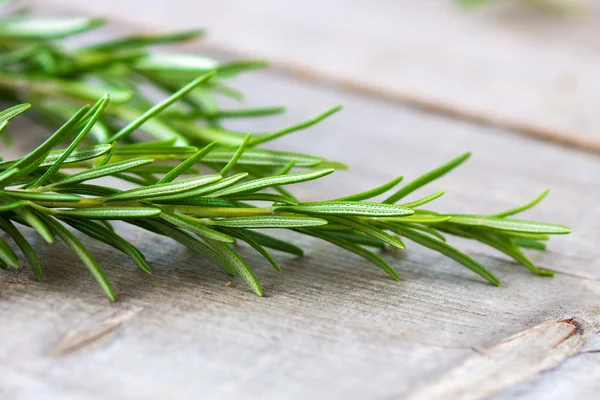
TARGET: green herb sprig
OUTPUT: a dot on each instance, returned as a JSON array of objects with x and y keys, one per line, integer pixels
[
  {"x": 239, "y": 195},
  {"x": 49, "y": 189},
  {"x": 38, "y": 65}
]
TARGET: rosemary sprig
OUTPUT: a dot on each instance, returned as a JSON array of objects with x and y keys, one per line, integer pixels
[
  {"x": 241, "y": 191},
  {"x": 36, "y": 66},
  {"x": 208, "y": 212}
]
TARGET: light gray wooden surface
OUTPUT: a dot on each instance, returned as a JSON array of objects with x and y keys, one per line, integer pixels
[
  {"x": 502, "y": 64},
  {"x": 331, "y": 325}
]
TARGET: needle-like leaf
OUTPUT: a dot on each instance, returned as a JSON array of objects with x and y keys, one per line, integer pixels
[
  {"x": 127, "y": 130},
  {"x": 505, "y": 224},
  {"x": 271, "y": 181},
  {"x": 10, "y": 113},
  {"x": 349, "y": 208},
  {"x": 84, "y": 255},
  {"x": 24, "y": 246},
  {"x": 8, "y": 255},
  {"x": 369, "y": 194},
  {"x": 109, "y": 213},
  {"x": 524, "y": 207},
  {"x": 109, "y": 237},
  {"x": 187, "y": 164},
  {"x": 164, "y": 189},
  {"x": 427, "y": 178},
  {"x": 269, "y": 221},
  {"x": 235, "y": 262},
  {"x": 100, "y": 171},
  {"x": 447, "y": 250}
]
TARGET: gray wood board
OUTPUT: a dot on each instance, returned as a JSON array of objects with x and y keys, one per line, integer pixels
[
  {"x": 501, "y": 64},
  {"x": 331, "y": 325}
]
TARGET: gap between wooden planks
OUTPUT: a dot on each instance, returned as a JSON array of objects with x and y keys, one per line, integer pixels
[{"x": 562, "y": 128}]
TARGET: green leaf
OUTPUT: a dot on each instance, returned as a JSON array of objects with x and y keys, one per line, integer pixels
[
  {"x": 84, "y": 255},
  {"x": 237, "y": 264},
  {"x": 162, "y": 169},
  {"x": 268, "y": 221},
  {"x": 273, "y": 243},
  {"x": 69, "y": 88},
  {"x": 429, "y": 230},
  {"x": 427, "y": 178},
  {"x": 24, "y": 245},
  {"x": 420, "y": 218},
  {"x": 36, "y": 196},
  {"x": 261, "y": 183},
  {"x": 97, "y": 111},
  {"x": 267, "y": 137},
  {"x": 233, "y": 68},
  {"x": 255, "y": 156},
  {"x": 191, "y": 243},
  {"x": 445, "y": 249},
  {"x": 499, "y": 243},
  {"x": 163, "y": 152},
  {"x": 164, "y": 189},
  {"x": 238, "y": 233},
  {"x": 194, "y": 226},
  {"x": 36, "y": 223},
  {"x": 88, "y": 190},
  {"x": 109, "y": 237},
  {"x": 236, "y": 156},
  {"x": 530, "y": 244},
  {"x": 354, "y": 248},
  {"x": 98, "y": 172},
  {"x": 286, "y": 169},
  {"x": 357, "y": 238},
  {"x": 45, "y": 28},
  {"x": 154, "y": 127},
  {"x": 176, "y": 63},
  {"x": 78, "y": 155},
  {"x": 242, "y": 113},
  {"x": 137, "y": 41},
  {"x": 348, "y": 208},
  {"x": 369, "y": 230},
  {"x": 109, "y": 213},
  {"x": 7, "y": 254},
  {"x": 187, "y": 164},
  {"x": 505, "y": 224},
  {"x": 12, "y": 205},
  {"x": 12, "y": 112},
  {"x": 157, "y": 108},
  {"x": 45, "y": 147},
  {"x": 373, "y": 192},
  {"x": 424, "y": 200},
  {"x": 524, "y": 207},
  {"x": 193, "y": 194}
]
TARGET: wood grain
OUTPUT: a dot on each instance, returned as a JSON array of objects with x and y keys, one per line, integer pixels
[
  {"x": 330, "y": 326},
  {"x": 502, "y": 64}
]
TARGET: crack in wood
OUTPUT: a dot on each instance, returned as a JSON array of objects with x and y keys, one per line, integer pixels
[
  {"x": 509, "y": 362},
  {"x": 83, "y": 339}
]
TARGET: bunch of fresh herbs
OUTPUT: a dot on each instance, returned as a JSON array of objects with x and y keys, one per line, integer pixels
[{"x": 239, "y": 193}]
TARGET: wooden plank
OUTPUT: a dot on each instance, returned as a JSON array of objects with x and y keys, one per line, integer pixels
[
  {"x": 330, "y": 325},
  {"x": 526, "y": 71}
]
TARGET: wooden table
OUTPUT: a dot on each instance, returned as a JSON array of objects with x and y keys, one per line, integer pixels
[{"x": 331, "y": 325}]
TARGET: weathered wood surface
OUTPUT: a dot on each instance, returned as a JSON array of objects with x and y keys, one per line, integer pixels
[
  {"x": 504, "y": 64},
  {"x": 331, "y": 325}
]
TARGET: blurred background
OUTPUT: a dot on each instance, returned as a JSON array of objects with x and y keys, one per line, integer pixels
[{"x": 531, "y": 65}]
